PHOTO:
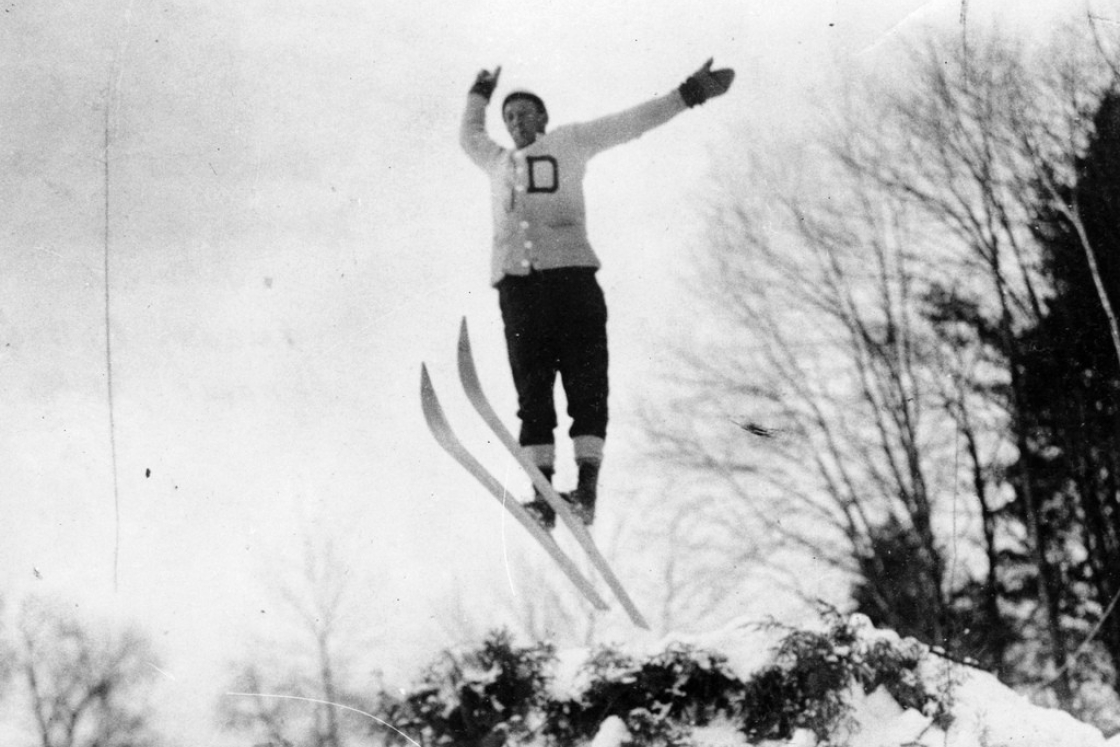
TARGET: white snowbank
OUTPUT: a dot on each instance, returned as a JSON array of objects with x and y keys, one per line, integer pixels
[
  {"x": 985, "y": 713},
  {"x": 612, "y": 732}
]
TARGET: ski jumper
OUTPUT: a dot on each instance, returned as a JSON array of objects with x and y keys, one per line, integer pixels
[{"x": 544, "y": 268}]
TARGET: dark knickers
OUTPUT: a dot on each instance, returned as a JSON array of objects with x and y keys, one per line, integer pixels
[{"x": 556, "y": 323}]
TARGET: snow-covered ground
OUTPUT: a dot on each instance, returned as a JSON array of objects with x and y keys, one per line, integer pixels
[{"x": 984, "y": 712}]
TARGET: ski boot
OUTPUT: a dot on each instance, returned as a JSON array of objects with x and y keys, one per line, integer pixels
[
  {"x": 583, "y": 497},
  {"x": 538, "y": 508}
]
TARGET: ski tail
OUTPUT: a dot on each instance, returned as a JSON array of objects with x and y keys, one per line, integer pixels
[
  {"x": 468, "y": 375},
  {"x": 441, "y": 430}
]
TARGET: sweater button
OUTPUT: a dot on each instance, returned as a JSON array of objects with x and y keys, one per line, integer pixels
[
  {"x": 528, "y": 244},
  {"x": 525, "y": 263},
  {"x": 524, "y": 224}
]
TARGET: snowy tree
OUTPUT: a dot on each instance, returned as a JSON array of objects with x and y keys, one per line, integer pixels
[
  {"x": 837, "y": 682},
  {"x": 1071, "y": 399}
]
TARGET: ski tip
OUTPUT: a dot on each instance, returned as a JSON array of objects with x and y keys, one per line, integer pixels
[
  {"x": 429, "y": 403},
  {"x": 466, "y": 356}
]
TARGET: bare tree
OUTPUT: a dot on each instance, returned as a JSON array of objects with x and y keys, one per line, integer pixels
[
  {"x": 687, "y": 596},
  {"x": 980, "y": 143},
  {"x": 873, "y": 291},
  {"x": 7, "y": 653},
  {"x": 822, "y": 402},
  {"x": 86, "y": 687},
  {"x": 299, "y": 687},
  {"x": 537, "y": 604},
  {"x": 540, "y": 605},
  {"x": 949, "y": 144}
]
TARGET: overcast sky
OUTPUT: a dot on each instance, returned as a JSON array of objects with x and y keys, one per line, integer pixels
[{"x": 292, "y": 229}]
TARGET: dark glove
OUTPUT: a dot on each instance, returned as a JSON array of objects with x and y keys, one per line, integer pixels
[
  {"x": 486, "y": 82},
  {"x": 706, "y": 83}
]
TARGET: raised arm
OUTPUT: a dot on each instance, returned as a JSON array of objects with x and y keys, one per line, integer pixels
[
  {"x": 615, "y": 129},
  {"x": 472, "y": 133}
]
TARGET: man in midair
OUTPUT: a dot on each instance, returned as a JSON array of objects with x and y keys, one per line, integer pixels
[{"x": 544, "y": 268}]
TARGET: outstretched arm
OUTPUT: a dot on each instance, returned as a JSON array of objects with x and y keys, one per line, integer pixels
[
  {"x": 615, "y": 129},
  {"x": 472, "y": 133}
]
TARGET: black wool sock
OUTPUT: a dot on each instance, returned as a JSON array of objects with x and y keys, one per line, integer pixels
[{"x": 588, "y": 477}]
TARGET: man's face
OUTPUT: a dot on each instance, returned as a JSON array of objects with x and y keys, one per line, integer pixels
[{"x": 524, "y": 121}]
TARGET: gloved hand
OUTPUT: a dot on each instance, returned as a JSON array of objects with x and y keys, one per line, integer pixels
[
  {"x": 486, "y": 82},
  {"x": 706, "y": 83}
]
